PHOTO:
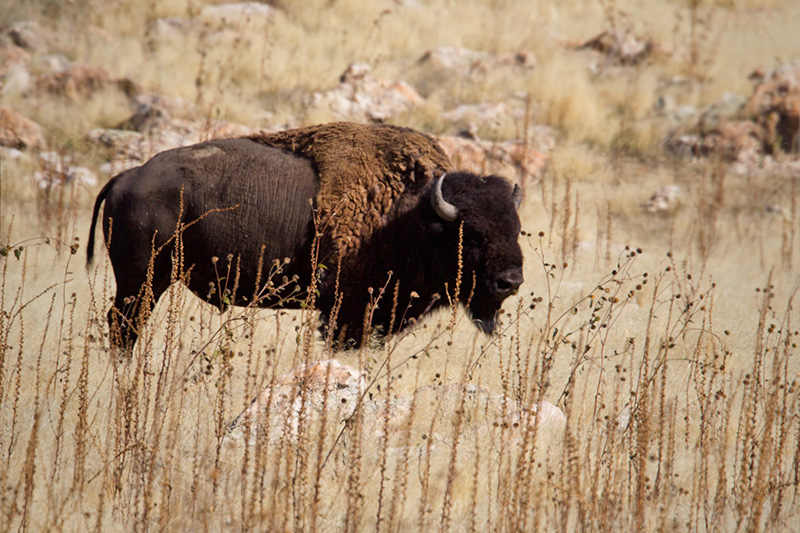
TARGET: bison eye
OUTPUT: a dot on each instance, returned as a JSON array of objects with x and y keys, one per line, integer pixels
[
  {"x": 476, "y": 241},
  {"x": 436, "y": 230}
]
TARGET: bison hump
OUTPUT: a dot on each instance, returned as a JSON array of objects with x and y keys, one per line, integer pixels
[{"x": 363, "y": 169}]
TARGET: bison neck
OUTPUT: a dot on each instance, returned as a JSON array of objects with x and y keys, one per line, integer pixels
[{"x": 394, "y": 278}]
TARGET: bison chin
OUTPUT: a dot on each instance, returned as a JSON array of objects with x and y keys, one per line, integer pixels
[
  {"x": 484, "y": 316},
  {"x": 486, "y": 325}
]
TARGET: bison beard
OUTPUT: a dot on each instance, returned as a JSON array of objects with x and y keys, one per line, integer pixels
[{"x": 391, "y": 218}]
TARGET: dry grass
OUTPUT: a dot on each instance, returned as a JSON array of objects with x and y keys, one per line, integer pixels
[
  {"x": 677, "y": 375},
  {"x": 676, "y": 365}
]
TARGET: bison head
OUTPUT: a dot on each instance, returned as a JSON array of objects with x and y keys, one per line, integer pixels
[{"x": 491, "y": 267}]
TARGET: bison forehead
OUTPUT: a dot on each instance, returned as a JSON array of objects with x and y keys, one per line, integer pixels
[
  {"x": 480, "y": 197},
  {"x": 492, "y": 217}
]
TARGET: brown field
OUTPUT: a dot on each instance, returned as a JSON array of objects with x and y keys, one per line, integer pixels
[{"x": 668, "y": 340}]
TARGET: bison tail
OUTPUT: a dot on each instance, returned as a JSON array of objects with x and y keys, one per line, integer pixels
[{"x": 90, "y": 242}]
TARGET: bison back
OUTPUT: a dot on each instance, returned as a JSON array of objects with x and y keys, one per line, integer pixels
[{"x": 233, "y": 199}]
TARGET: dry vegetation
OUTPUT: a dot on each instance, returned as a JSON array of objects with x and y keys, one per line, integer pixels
[{"x": 669, "y": 341}]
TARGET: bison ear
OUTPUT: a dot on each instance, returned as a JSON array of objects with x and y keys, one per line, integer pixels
[{"x": 516, "y": 196}]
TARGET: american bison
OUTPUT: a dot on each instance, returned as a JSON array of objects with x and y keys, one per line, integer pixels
[{"x": 368, "y": 206}]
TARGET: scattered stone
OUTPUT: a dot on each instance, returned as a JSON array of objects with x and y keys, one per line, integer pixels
[
  {"x": 740, "y": 141},
  {"x": 745, "y": 131},
  {"x": 775, "y": 209},
  {"x": 621, "y": 48},
  {"x": 450, "y": 60},
  {"x": 776, "y": 104},
  {"x": 543, "y": 414},
  {"x": 57, "y": 171},
  {"x": 133, "y": 148},
  {"x": 338, "y": 388},
  {"x": 736, "y": 140},
  {"x": 729, "y": 105},
  {"x": 146, "y": 117},
  {"x": 481, "y": 406},
  {"x": 113, "y": 138},
  {"x": 771, "y": 86},
  {"x": 511, "y": 159},
  {"x": 787, "y": 128},
  {"x": 474, "y": 114},
  {"x": 360, "y": 97},
  {"x": 153, "y": 111},
  {"x": 236, "y": 14},
  {"x": 16, "y": 79},
  {"x": 440, "y": 69},
  {"x": 55, "y": 63},
  {"x": 665, "y": 199},
  {"x": 79, "y": 82},
  {"x": 171, "y": 31},
  {"x": 623, "y": 419},
  {"x": 17, "y": 131},
  {"x": 12, "y": 57},
  {"x": 306, "y": 390},
  {"x": 82, "y": 176},
  {"x": 12, "y": 154},
  {"x": 30, "y": 36},
  {"x": 683, "y": 145}
]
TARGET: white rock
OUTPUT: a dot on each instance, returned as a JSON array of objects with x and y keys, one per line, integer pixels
[
  {"x": 17, "y": 80},
  {"x": 304, "y": 390},
  {"x": 81, "y": 176},
  {"x": 361, "y": 97},
  {"x": 667, "y": 198},
  {"x": 237, "y": 14},
  {"x": 478, "y": 113},
  {"x": 57, "y": 172},
  {"x": 544, "y": 414},
  {"x": 11, "y": 154}
]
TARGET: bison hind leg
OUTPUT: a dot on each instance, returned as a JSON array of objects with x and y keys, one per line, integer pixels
[{"x": 132, "y": 307}]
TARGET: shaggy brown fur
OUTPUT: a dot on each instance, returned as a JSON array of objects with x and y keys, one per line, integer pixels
[{"x": 362, "y": 169}]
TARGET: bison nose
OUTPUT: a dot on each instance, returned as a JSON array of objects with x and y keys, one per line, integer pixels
[{"x": 507, "y": 282}]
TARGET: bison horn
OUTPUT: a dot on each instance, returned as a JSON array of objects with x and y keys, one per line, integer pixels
[
  {"x": 516, "y": 196},
  {"x": 443, "y": 208}
]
